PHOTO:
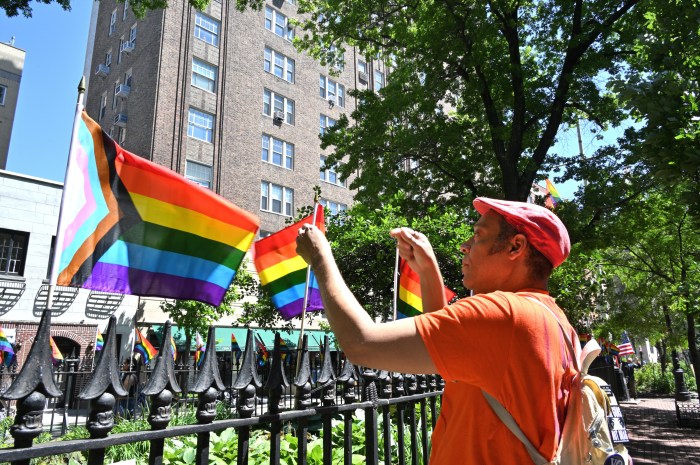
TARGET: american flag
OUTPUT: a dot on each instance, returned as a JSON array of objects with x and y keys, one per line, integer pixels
[{"x": 625, "y": 345}]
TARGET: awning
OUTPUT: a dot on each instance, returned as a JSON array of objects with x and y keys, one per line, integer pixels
[{"x": 223, "y": 337}]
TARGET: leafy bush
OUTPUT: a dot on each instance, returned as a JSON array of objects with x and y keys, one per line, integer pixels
[{"x": 651, "y": 381}]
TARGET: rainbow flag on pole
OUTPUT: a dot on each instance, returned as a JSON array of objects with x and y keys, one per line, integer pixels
[
  {"x": 553, "y": 197},
  {"x": 235, "y": 348},
  {"x": 7, "y": 353},
  {"x": 130, "y": 226},
  {"x": 143, "y": 347},
  {"x": 283, "y": 273},
  {"x": 99, "y": 342},
  {"x": 56, "y": 354},
  {"x": 409, "y": 301}
]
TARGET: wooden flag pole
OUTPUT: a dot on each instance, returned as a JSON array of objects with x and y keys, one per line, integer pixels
[
  {"x": 59, "y": 227},
  {"x": 306, "y": 293},
  {"x": 396, "y": 282}
]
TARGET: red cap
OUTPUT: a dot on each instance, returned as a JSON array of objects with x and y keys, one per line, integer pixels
[{"x": 543, "y": 229}]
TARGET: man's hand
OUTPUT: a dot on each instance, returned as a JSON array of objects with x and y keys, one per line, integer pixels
[
  {"x": 415, "y": 248},
  {"x": 312, "y": 245}
]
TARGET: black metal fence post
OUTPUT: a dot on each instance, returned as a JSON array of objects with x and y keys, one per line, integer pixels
[{"x": 247, "y": 382}]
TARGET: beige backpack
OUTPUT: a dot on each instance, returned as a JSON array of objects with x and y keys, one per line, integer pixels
[{"x": 586, "y": 437}]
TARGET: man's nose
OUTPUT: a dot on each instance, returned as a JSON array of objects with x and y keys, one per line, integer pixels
[{"x": 465, "y": 248}]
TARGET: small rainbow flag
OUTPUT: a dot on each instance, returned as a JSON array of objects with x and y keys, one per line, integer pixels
[
  {"x": 99, "y": 342},
  {"x": 7, "y": 353},
  {"x": 263, "y": 354},
  {"x": 130, "y": 226},
  {"x": 56, "y": 354},
  {"x": 199, "y": 344},
  {"x": 143, "y": 347},
  {"x": 284, "y": 348},
  {"x": 409, "y": 301},
  {"x": 553, "y": 197},
  {"x": 235, "y": 348},
  {"x": 172, "y": 344},
  {"x": 283, "y": 272}
]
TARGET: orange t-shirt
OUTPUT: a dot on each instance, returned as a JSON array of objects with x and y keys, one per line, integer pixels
[{"x": 511, "y": 348}]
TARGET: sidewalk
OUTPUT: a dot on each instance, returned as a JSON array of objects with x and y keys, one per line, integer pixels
[{"x": 656, "y": 438}]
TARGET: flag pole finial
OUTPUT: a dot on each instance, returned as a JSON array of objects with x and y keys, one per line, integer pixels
[{"x": 81, "y": 86}]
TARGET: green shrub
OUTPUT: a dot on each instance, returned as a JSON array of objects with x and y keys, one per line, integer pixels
[{"x": 651, "y": 381}]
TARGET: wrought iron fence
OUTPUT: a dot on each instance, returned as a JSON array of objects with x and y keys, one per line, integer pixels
[{"x": 313, "y": 400}]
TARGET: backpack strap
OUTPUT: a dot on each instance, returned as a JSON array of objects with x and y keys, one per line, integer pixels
[{"x": 582, "y": 363}]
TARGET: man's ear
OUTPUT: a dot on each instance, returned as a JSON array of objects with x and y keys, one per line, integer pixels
[{"x": 518, "y": 246}]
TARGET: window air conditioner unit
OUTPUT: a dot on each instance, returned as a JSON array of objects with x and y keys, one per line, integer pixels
[
  {"x": 102, "y": 70},
  {"x": 331, "y": 102},
  {"x": 127, "y": 47},
  {"x": 123, "y": 91},
  {"x": 278, "y": 116},
  {"x": 120, "y": 120},
  {"x": 362, "y": 76}
]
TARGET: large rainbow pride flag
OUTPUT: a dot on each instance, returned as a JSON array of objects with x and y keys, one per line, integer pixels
[
  {"x": 130, "y": 226},
  {"x": 282, "y": 271},
  {"x": 553, "y": 197},
  {"x": 409, "y": 301}
]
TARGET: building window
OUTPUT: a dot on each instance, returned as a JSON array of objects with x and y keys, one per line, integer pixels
[
  {"x": 112, "y": 21},
  {"x": 279, "y": 65},
  {"x": 200, "y": 125},
  {"x": 204, "y": 75},
  {"x": 378, "y": 80},
  {"x": 127, "y": 78},
  {"x": 121, "y": 136},
  {"x": 108, "y": 58},
  {"x": 332, "y": 91},
  {"x": 198, "y": 173},
  {"x": 126, "y": 8},
  {"x": 333, "y": 207},
  {"x": 277, "y": 152},
  {"x": 325, "y": 123},
  {"x": 103, "y": 107},
  {"x": 132, "y": 36},
  {"x": 13, "y": 252},
  {"x": 276, "y": 199},
  {"x": 275, "y": 103},
  {"x": 114, "y": 95},
  {"x": 361, "y": 66},
  {"x": 3, "y": 94},
  {"x": 121, "y": 50},
  {"x": 206, "y": 29},
  {"x": 329, "y": 174},
  {"x": 278, "y": 23}
]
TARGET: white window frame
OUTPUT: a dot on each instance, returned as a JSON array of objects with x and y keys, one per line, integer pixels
[
  {"x": 121, "y": 135},
  {"x": 112, "y": 22},
  {"x": 3, "y": 95},
  {"x": 325, "y": 122},
  {"x": 121, "y": 47},
  {"x": 271, "y": 101},
  {"x": 202, "y": 181},
  {"x": 132, "y": 35},
  {"x": 330, "y": 175},
  {"x": 103, "y": 107},
  {"x": 128, "y": 75},
  {"x": 210, "y": 27},
  {"x": 272, "y": 24},
  {"x": 204, "y": 72},
  {"x": 198, "y": 120},
  {"x": 126, "y": 9},
  {"x": 114, "y": 95},
  {"x": 337, "y": 95},
  {"x": 333, "y": 207},
  {"x": 271, "y": 193},
  {"x": 108, "y": 58},
  {"x": 270, "y": 64},
  {"x": 381, "y": 80},
  {"x": 286, "y": 152}
]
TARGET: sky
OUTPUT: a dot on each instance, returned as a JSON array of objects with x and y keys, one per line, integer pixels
[{"x": 55, "y": 42}]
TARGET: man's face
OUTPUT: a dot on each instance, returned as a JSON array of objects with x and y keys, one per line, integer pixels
[{"x": 485, "y": 267}]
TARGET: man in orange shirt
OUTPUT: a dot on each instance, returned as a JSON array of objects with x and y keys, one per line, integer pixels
[{"x": 501, "y": 341}]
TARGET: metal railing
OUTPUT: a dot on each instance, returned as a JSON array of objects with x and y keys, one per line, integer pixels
[{"x": 399, "y": 411}]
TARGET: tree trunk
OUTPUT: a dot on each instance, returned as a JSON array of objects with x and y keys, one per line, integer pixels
[{"x": 661, "y": 347}]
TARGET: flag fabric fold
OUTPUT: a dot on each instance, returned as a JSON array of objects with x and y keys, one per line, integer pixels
[
  {"x": 625, "y": 346},
  {"x": 143, "y": 347},
  {"x": 283, "y": 272},
  {"x": 130, "y": 226},
  {"x": 99, "y": 341},
  {"x": 409, "y": 301}
]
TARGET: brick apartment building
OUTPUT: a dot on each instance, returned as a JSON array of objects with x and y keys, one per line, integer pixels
[{"x": 223, "y": 97}]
